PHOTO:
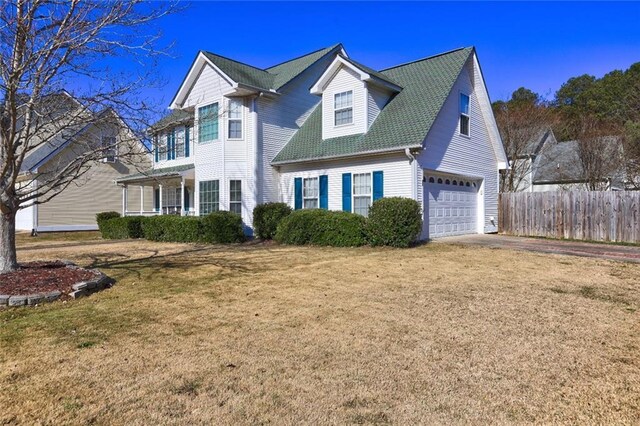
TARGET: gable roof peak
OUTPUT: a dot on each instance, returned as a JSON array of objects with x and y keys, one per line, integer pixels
[{"x": 469, "y": 48}]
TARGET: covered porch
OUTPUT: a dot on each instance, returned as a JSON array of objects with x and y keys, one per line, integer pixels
[{"x": 171, "y": 191}]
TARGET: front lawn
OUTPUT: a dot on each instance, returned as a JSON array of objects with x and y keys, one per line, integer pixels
[{"x": 261, "y": 333}]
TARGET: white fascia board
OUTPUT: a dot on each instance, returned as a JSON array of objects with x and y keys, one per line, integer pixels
[
  {"x": 193, "y": 74},
  {"x": 328, "y": 74}
]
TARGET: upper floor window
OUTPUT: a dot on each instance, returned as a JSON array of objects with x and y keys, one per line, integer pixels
[
  {"x": 180, "y": 139},
  {"x": 343, "y": 108},
  {"x": 464, "y": 114},
  {"x": 208, "y": 123},
  {"x": 161, "y": 146},
  {"x": 362, "y": 193},
  {"x": 109, "y": 149},
  {"x": 235, "y": 119},
  {"x": 310, "y": 193}
]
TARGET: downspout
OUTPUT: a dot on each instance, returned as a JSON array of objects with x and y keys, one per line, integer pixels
[{"x": 414, "y": 172}]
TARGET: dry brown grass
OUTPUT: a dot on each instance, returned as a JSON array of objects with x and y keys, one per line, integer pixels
[{"x": 268, "y": 334}]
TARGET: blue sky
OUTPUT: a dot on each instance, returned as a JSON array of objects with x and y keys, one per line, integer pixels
[{"x": 536, "y": 45}]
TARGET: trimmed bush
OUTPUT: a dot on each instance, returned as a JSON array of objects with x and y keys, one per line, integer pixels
[
  {"x": 267, "y": 217},
  {"x": 118, "y": 228},
  {"x": 104, "y": 216},
  {"x": 178, "y": 229},
  {"x": 322, "y": 227},
  {"x": 394, "y": 221},
  {"x": 222, "y": 227}
]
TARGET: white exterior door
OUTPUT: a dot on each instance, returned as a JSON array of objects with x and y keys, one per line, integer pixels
[{"x": 451, "y": 206}]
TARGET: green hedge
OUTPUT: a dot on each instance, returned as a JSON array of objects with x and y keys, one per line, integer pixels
[
  {"x": 394, "y": 221},
  {"x": 222, "y": 227},
  {"x": 267, "y": 217},
  {"x": 119, "y": 228},
  {"x": 179, "y": 229},
  {"x": 104, "y": 216},
  {"x": 322, "y": 227}
]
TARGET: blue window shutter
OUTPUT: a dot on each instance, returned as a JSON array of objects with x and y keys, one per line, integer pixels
[
  {"x": 324, "y": 192},
  {"x": 173, "y": 144},
  {"x": 186, "y": 141},
  {"x": 298, "y": 193},
  {"x": 378, "y": 185},
  {"x": 156, "y": 199},
  {"x": 168, "y": 146},
  {"x": 186, "y": 199},
  {"x": 346, "y": 192}
]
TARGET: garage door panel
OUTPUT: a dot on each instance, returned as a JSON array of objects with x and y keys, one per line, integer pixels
[{"x": 452, "y": 209}]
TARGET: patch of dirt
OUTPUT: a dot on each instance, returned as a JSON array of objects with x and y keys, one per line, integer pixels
[{"x": 42, "y": 277}]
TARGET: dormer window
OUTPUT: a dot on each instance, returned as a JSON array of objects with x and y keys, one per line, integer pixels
[
  {"x": 464, "y": 114},
  {"x": 235, "y": 119},
  {"x": 343, "y": 108}
]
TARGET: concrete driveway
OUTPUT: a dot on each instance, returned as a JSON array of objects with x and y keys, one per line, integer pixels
[{"x": 570, "y": 248}]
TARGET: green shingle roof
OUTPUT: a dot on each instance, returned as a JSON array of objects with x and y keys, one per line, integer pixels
[
  {"x": 272, "y": 78},
  {"x": 371, "y": 71},
  {"x": 155, "y": 173},
  {"x": 403, "y": 123},
  {"x": 177, "y": 116}
]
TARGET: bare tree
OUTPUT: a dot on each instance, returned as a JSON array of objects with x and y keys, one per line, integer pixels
[
  {"x": 50, "y": 45},
  {"x": 523, "y": 125},
  {"x": 600, "y": 154}
]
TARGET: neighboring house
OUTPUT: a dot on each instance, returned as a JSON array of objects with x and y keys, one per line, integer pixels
[
  {"x": 323, "y": 131},
  {"x": 561, "y": 166},
  {"x": 75, "y": 207},
  {"x": 523, "y": 163}
]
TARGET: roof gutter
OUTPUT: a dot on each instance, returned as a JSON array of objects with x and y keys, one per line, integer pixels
[{"x": 356, "y": 154}]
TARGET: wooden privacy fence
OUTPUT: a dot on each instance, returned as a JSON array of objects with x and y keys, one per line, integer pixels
[{"x": 580, "y": 215}]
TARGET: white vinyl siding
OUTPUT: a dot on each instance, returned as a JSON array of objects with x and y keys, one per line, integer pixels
[
  {"x": 310, "y": 193},
  {"x": 377, "y": 99},
  {"x": 396, "y": 169},
  {"x": 448, "y": 151},
  {"x": 345, "y": 80}
]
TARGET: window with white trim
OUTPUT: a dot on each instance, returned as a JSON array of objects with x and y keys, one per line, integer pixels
[
  {"x": 362, "y": 193},
  {"x": 161, "y": 143},
  {"x": 464, "y": 115},
  {"x": 180, "y": 137},
  {"x": 209, "y": 196},
  {"x": 310, "y": 193},
  {"x": 235, "y": 196},
  {"x": 343, "y": 108},
  {"x": 109, "y": 149},
  {"x": 235, "y": 119},
  {"x": 208, "y": 123}
]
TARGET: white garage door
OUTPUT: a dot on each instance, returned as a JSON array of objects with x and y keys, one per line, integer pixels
[{"x": 451, "y": 205}]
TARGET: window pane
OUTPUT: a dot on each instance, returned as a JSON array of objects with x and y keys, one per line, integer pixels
[
  {"x": 235, "y": 129},
  {"x": 209, "y": 196},
  {"x": 464, "y": 104},
  {"x": 344, "y": 116},
  {"x": 311, "y": 203},
  {"x": 235, "y": 109},
  {"x": 361, "y": 205},
  {"x": 343, "y": 100},
  {"x": 180, "y": 144},
  {"x": 208, "y": 123},
  {"x": 235, "y": 196},
  {"x": 464, "y": 125}
]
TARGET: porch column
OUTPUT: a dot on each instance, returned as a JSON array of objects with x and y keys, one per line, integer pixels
[
  {"x": 124, "y": 200},
  {"x": 182, "y": 196},
  {"x": 141, "y": 200},
  {"x": 160, "y": 199}
]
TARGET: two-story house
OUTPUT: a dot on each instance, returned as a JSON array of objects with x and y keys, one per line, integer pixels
[{"x": 323, "y": 131}]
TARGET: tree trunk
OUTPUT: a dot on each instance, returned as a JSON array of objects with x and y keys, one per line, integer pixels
[{"x": 8, "y": 258}]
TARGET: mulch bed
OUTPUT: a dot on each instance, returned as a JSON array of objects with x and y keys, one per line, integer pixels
[{"x": 42, "y": 277}]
